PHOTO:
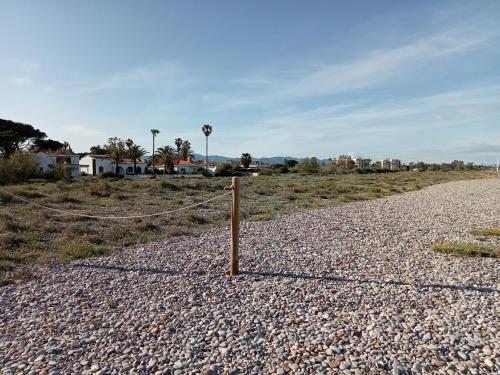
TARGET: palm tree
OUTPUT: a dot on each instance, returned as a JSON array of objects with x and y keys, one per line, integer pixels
[
  {"x": 178, "y": 144},
  {"x": 186, "y": 151},
  {"x": 166, "y": 155},
  {"x": 154, "y": 132},
  {"x": 207, "y": 130},
  {"x": 246, "y": 159},
  {"x": 135, "y": 152},
  {"x": 129, "y": 143},
  {"x": 115, "y": 151}
]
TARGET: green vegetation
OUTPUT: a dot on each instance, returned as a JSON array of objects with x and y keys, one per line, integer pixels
[
  {"x": 468, "y": 249},
  {"x": 489, "y": 232},
  {"x": 31, "y": 235}
]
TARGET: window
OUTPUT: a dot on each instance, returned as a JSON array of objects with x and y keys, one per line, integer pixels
[{"x": 101, "y": 169}]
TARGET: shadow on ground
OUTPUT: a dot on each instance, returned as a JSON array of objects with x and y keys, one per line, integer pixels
[{"x": 288, "y": 275}]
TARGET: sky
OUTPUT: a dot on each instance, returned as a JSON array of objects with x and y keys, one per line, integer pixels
[{"x": 415, "y": 80}]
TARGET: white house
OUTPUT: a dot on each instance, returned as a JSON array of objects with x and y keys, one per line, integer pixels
[
  {"x": 49, "y": 160},
  {"x": 185, "y": 166},
  {"x": 97, "y": 164}
]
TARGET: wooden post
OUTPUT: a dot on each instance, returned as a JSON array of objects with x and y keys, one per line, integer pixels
[{"x": 235, "y": 227}]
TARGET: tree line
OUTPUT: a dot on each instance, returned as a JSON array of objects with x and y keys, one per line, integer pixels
[{"x": 118, "y": 150}]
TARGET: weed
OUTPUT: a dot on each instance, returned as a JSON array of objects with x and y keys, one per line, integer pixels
[
  {"x": 81, "y": 248},
  {"x": 493, "y": 232},
  {"x": 468, "y": 249}
]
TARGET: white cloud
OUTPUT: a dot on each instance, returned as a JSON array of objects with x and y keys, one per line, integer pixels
[
  {"x": 154, "y": 75},
  {"x": 316, "y": 131},
  {"x": 368, "y": 70}
]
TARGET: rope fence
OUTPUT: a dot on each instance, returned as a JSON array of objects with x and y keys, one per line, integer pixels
[
  {"x": 235, "y": 216},
  {"x": 99, "y": 217}
]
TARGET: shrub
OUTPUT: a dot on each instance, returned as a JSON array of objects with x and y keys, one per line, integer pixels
[
  {"x": 308, "y": 165},
  {"x": 468, "y": 249},
  {"x": 170, "y": 186},
  {"x": 57, "y": 173},
  {"x": 266, "y": 172},
  {"x": 20, "y": 167},
  {"x": 495, "y": 232},
  {"x": 224, "y": 170},
  {"x": 80, "y": 249},
  {"x": 110, "y": 175}
]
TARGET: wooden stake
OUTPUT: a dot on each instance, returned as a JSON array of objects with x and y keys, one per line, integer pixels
[{"x": 235, "y": 227}]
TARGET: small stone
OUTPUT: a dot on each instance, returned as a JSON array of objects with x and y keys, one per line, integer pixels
[
  {"x": 488, "y": 362},
  {"x": 464, "y": 356},
  {"x": 437, "y": 362},
  {"x": 487, "y": 350}
]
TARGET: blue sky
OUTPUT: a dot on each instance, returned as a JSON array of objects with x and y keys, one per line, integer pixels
[{"x": 414, "y": 80}]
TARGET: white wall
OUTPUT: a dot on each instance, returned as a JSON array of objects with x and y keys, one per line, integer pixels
[
  {"x": 105, "y": 165},
  {"x": 48, "y": 162}
]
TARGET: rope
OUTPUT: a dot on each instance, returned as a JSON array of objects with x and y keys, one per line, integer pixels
[{"x": 65, "y": 212}]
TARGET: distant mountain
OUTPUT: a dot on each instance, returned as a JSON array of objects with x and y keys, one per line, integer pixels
[
  {"x": 220, "y": 159},
  {"x": 267, "y": 160}
]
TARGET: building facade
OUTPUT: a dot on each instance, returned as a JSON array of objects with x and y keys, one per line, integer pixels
[
  {"x": 93, "y": 165},
  {"x": 391, "y": 164},
  {"x": 362, "y": 163},
  {"x": 48, "y": 160},
  {"x": 186, "y": 166}
]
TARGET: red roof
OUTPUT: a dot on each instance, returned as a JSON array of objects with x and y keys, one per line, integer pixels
[{"x": 183, "y": 162}]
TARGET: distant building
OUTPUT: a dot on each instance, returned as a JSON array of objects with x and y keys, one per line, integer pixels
[
  {"x": 49, "y": 160},
  {"x": 257, "y": 164},
  {"x": 362, "y": 163},
  {"x": 186, "y": 166},
  {"x": 97, "y": 164},
  {"x": 391, "y": 164}
]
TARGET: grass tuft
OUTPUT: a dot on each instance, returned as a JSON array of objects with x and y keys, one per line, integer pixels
[
  {"x": 492, "y": 232},
  {"x": 468, "y": 249},
  {"x": 81, "y": 249}
]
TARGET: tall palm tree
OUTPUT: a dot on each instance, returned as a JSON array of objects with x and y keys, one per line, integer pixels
[
  {"x": 166, "y": 155},
  {"x": 186, "y": 151},
  {"x": 178, "y": 144},
  {"x": 154, "y": 132},
  {"x": 207, "y": 130},
  {"x": 116, "y": 151},
  {"x": 135, "y": 152}
]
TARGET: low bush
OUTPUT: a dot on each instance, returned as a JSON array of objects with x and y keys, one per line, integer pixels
[
  {"x": 309, "y": 166},
  {"x": 20, "y": 167},
  {"x": 224, "y": 170},
  {"x": 81, "y": 248},
  {"x": 494, "y": 232},
  {"x": 170, "y": 186},
  {"x": 110, "y": 175},
  {"x": 468, "y": 249}
]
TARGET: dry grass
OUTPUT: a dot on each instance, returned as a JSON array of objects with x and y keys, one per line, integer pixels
[
  {"x": 489, "y": 232},
  {"x": 30, "y": 235},
  {"x": 468, "y": 249}
]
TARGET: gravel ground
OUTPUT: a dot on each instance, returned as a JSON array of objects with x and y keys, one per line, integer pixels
[{"x": 352, "y": 289}]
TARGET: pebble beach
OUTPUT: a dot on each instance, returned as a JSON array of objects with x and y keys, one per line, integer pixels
[{"x": 349, "y": 289}]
